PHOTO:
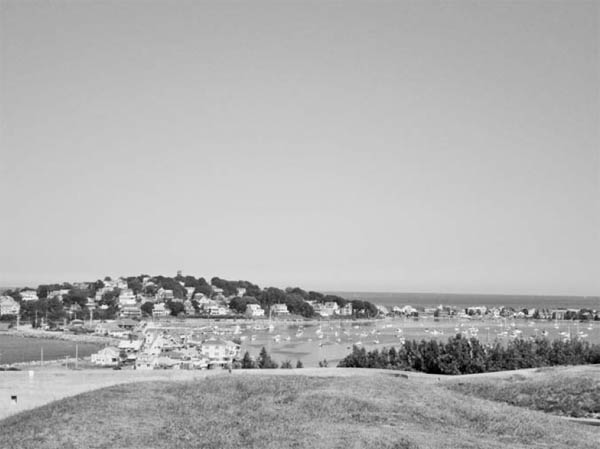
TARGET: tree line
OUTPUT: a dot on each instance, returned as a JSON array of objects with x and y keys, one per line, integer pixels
[{"x": 461, "y": 355}]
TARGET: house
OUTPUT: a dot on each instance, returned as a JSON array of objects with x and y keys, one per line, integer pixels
[
  {"x": 130, "y": 346},
  {"x": 326, "y": 309},
  {"x": 241, "y": 291},
  {"x": 382, "y": 310},
  {"x": 215, "y": 310},
  {"x": 279, "y": 309},
  {"x": 28, "y": 295},
  {"x": 127, "y": 323},
  {"x": 189, "y": 292},
  {"x": 189, "y": 307},
  {"x": 164, "y": 295},
  {"x": 254, "y": 311},
  {"x": 346, "y": 310},
  {"x": 219, "y": 350},
  {"x": 127, "y": 298},
  {"x": 108, "y": 356},
  {"x": 58, "y": 293},
  {"x": 160, "y": 310},
  {"x": 131, "y": 312},
  {"x": 8, "y": 306},
  {"x": 111, "y": 329}
]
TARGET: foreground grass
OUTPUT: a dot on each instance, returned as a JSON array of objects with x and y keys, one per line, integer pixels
[
  {"x": 243, "y": 411},
  {"x": 553, "y": 390}
]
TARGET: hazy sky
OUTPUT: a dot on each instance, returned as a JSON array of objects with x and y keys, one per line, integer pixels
[{"x": 383, "y": 146}]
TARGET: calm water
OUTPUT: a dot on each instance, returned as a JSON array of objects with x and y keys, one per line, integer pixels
[
  {"x": 333, "y": 340},
  {"x": 15, "y": 349},
  {"x": 463, "y": 300}
]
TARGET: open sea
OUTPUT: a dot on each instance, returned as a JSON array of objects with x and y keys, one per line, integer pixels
[{"x": 420, "y": 300}]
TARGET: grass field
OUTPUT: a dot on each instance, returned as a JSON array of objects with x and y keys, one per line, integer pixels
[
  {"x": 265, "y": 411},
  {"x": 572, "y": 391}
]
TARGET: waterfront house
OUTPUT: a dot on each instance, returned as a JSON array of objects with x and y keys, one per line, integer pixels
[
  {"x": 241, "y": 291},
  {"x": 219, "y": 351},
  {"x": 111, "y": 329},
  {"x": 28, "y": 295},
  {"x": 215, "y": 310},
  {"x": 127, "y": 323},
  {"x": 108, "y": 356},
  {"x": 346, "y": 310},
  {"x": 254, "y": 311},
  {"x": 8, "y": 306},
  {"x": 279, "y": 309}
]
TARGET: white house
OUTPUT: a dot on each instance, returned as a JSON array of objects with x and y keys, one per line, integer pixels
[
  {"x": 216, "y": 310},
  {"x": 254, "y": 310},
  {"x": 58, "y": 293},
  {"x": 219, "y": 350},
  {"x": 108, "y": 356},
  {"x": 29, "y": 295},
  {"x": 346, "y": 310},
  {"x": 127, "y": 297},
  {"x": 279, "y": 309},
  {"x": 160, "y": 310},
  {"x": 8, "y": 306}
]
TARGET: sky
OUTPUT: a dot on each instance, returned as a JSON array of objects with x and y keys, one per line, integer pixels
[{"x": 349, "y": 146}]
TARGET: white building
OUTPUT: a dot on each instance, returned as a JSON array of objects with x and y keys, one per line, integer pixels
[
  {"x": 29, "y": 295},
  {"x": 108, "y": 356},
  {"x": 254, "y": 310},
  {"x": 8, "y": 306},
  {"x": 127, "y": 298},
  {"x": 346, "y": 310},
  {"x": 279, "y": 309},
  {"x": 219, "y": 350},
  {"x": 160, "y": 310}
]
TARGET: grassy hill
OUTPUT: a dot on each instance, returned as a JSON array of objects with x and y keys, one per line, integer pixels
[{"x": 266, "y": 411}]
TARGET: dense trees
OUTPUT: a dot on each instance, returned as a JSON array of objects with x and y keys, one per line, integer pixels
[{"x": 460, "y": 355}]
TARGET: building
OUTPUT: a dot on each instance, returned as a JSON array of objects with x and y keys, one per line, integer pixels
[
  {"x": 8, "y": 306},
  {"x": 58, "y": 293},
  {"x": 326, "y": 309},
  {"x": 218, "y": 350},
  {"x": 241, "y": 291},
  {"x": 127, "y": 297},
  {"x": 108, "y": 356},
  {"x": 346, "y": 310},
  {"x": 279, "y": 309},
  {"x": 28, "y": 295},
  {"x": 131, "y": 312},
  {"x": 254, "y": 311},
  {"x": 160, "y": 310},
  {"x": 165, "y": 295},
  {"x": 216, "y": 310}
]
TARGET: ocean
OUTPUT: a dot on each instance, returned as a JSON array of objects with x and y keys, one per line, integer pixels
[{"x": 467, "y": 300}]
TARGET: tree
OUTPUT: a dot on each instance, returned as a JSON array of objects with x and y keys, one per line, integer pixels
[
  {"x": 287, "y": 364},
  {"x": 247, "y": 362},
  {"x": 147, "y": 308},
  {"x": 299, "y": 364},
  {"x": 265, "y": 361},
  {"x": 176, "y": 307}
]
